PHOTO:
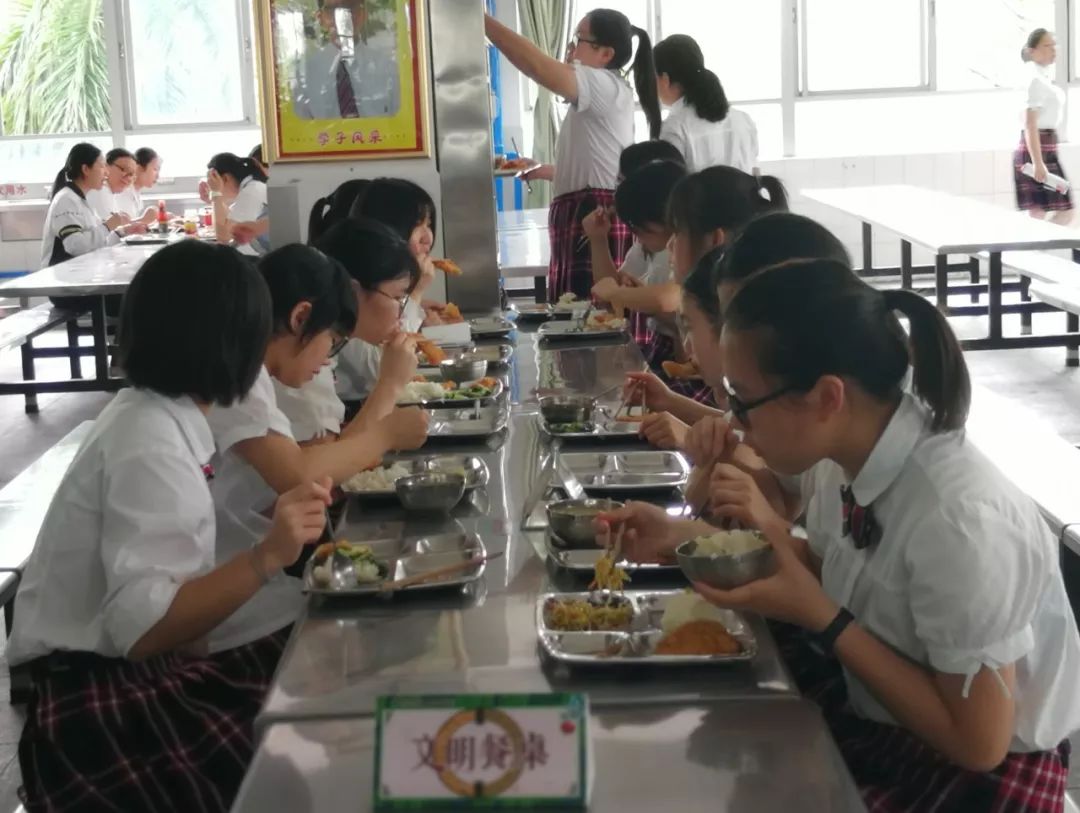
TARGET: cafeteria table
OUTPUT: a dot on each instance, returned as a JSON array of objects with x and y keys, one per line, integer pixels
[{"x": 952, "y": 225}]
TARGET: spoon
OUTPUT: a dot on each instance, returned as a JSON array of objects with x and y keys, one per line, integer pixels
[{"x": 342, "y": 571}]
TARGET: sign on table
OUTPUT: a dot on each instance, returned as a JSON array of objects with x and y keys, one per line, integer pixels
[{"x": 482, "y": 751}]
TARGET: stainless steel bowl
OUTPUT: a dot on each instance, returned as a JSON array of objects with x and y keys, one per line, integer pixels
[
  {"x": 567, "y": 408},
  {"x": 463, "y": 368},
  {"x": 430, "y": 490},
  {"x": 571, "y": 521},
  {"x": 725, "y": 572}
]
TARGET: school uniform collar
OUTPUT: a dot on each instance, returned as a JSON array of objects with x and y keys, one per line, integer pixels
[
  {"x": 891, "y": 451},
  {"x": 190, "y": 419},
  {"x": 677, "y": 106}
]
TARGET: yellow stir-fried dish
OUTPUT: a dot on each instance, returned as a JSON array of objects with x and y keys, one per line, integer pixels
[
  {"x": 578, "y": 615},
  {"x": 608, "y": 575}
]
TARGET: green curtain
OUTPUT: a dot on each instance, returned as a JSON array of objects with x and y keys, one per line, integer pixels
[{"x": 544, "y": 23}]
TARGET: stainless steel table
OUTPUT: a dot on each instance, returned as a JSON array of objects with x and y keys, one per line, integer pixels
[{"x": 769, "y": 754}]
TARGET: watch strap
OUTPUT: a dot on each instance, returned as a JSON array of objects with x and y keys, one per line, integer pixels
[{"x": 826, "y": 639}]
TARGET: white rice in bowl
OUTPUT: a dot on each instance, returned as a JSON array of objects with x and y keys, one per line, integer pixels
[
  {"x": 380, "y": 479},
  {"x": 729, "y": 543}
]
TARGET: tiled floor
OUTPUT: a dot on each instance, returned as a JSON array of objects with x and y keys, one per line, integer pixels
[{"x": 1037, "y": 378}]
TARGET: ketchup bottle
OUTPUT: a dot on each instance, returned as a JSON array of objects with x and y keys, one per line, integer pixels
[{"x": 162, "y": 217}]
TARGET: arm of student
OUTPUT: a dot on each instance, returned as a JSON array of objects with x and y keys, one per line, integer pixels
[
  {"x": 283, "y": 464},
  {"x": 558, "y": 77},
  {"x": 379, "y": 403},
  {"x": 652, "y": 299}
]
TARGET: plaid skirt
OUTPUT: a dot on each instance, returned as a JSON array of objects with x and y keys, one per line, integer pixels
[
  {"x": 1030, "y": 194},
  {"x": 172, "y": 733},
  {"x": 571, "y": 259},
  {"x": 897, "y": 773},
  {"x": 661, "y": 348}
]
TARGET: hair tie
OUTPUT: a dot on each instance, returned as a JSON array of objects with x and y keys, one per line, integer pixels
[{"x": 763, "y": 192}]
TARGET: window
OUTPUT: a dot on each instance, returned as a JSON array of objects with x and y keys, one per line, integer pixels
[
  {"x": 740, "y": 42},
  {"x": 53, "y": 74},
  {"x": 989, "y": 56},
  {"x": 184, "y": 154},
  {"x": 862, "y": 44},
  {"x": 184, "y": 62}
]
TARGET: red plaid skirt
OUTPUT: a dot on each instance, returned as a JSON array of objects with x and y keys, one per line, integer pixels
[
  {"x": 897, "y": 773},
  {"x": 1030, "y": 194},
  {"x": 169, "y": 733},
  {"x": 571, "y": 259},
  {"x": 661, "y": 348}
]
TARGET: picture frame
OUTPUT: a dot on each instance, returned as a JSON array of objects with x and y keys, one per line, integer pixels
[{"x": 343, "y": 79}]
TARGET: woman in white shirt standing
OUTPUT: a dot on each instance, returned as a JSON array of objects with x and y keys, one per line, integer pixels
[
  {"x": 238, "y": 194},
  {"x": 597, "y": 127},
  {"x": 928, "y": 578},
  {"x": 1043, "y": 114},
  {"x": 701, "y": 123},
  {"x": 134, "y": 707}
]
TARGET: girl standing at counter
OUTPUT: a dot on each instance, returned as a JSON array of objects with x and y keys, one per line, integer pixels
[
  {"x": 137, "y": 702},
  {"x": 598, "y": 126},
  {"x": 928, "y": 577},
  {"x": 238, "y": 194}
]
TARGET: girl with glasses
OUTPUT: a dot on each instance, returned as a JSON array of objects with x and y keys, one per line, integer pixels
[
  {"x": 927, "y": 579},
  {"x": 598, "y": 126}
]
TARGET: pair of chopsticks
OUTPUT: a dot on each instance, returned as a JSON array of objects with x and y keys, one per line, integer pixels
[
  {"x": 625, "y": 403},
  {"x": 438, "y": 573},
  {"x": 613, "y": 550},
  {"x": 584, "y": 239}
]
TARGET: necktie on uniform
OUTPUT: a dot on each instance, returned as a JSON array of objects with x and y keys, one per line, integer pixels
[
  {"x": 346, "y": 97},
  {"x": 859, "y": 521}
]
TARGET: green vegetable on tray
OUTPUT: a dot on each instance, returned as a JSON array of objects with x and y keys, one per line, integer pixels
[{"x": 570, "y": 428}]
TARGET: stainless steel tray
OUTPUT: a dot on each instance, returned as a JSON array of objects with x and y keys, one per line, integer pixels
[
  {"x": 572, "y": 331},
  {"x": 530, "y": 311},
  {"x": 491, "y": 326},
  {"x": 468, "y": 422},
  {"x": 628, "y": 471},
  {"x": 602, "y": 427},
  {"x": 476, "y": 473},
  {"x": 496, "y": 391},
  {"x": 409, "y": 557},
  {"x": 638, "y": 643},
  {"x": 583, "y": 561},
  {"x": 496, "y": 355}
]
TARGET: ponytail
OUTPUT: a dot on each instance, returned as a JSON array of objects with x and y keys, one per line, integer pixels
[
  {"x": 679, "y": 57},
  {"x": 316, "y": 224},
  {"x": 81, "y": 155},
  {"x": 60, "y": 182},
  {"x": 645, "y": 81},
  {"x": 1031, "y": 43},
  {"x": 772, "y": 190},
  {"x": 335, "y": 207},
  {"x": 786, "y": 307},
  {"x": 722, "y": 197},
  {"x": 239, "y": 168},
  {"x": 939, "y": 372}
]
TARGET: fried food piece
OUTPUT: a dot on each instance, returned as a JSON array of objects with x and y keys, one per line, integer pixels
[
  {"x": 434, "y": 353},
  {"x": 516, "y": 164},
  {"x": 451, "y": 313},
  {"x": 326, "y": 548},
  {"x": 674, "y": 369},
  {"x": 488, "y": 382},
  {"x": 447, "y": 267},
  {"x": 630, "y": 418},
  {"x": 699, "y": 637}
]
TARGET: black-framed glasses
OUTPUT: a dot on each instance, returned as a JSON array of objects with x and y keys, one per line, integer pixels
[
  {"x": 402, "y": 301},
  {"x": 578, "y": 39},
  {"x": 741, "y": 409}
]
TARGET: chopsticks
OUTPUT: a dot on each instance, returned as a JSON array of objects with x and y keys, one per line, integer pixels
[
  {"x": 699, "y": 512},
  {"x": 438, "y": 573}
]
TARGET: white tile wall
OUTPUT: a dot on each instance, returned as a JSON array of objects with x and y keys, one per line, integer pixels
[{"x": 978, "y": 176}]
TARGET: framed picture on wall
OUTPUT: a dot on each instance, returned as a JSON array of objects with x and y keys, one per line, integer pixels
[{"x": 343, "y": 79}]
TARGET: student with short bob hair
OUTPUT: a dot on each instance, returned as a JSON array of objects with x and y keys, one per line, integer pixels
[
  {"x": 927, "y": 578},
  {"x": 122, "y": 601}
]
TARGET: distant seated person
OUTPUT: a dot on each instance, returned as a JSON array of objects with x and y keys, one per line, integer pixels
[
  {"x": 117, "y": 196},
  {"x": 237, "y": 191},
  {"x": 147, "y": 172},
  {"x": 347, "y": 71},
  {"x": 256, "y": 155}
]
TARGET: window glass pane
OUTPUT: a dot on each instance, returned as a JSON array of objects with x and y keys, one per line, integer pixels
[
  {"x": 39, "y": 40},
  {"x": 989, "y": 56},
  {"x": 740, "y": 41},
  {"x": 184, "y": 154},
  {"x": 863, "y": 44},
  {"x": 35, "y": 161},
  {"x": 186, "y": 61}
]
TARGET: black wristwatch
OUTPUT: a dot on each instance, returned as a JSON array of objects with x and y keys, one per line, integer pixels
[{"x": 826, "y": 639}]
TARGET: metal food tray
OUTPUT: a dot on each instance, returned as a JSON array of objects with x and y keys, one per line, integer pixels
[
  {"x": 628, "y": 471},
  {"x": 638, "y": 642},
  {"x": 476, "y": 473},
  {"x": 604, "y": 428},
  {"x": 571, "y": 330},
  {"x": 533, "y": 311},
  {"x": 468, "y": 422},
  {"x": 496, "y": 391},
  {"x": 583, "y": 560},
  {"x": 491, "y": 326},
  {"x": 496, "y": 355},
  {"x": 408, "y": 557}
]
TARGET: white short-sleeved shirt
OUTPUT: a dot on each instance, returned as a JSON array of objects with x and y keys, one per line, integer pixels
[
  {"x": 651, "y": 269},
  {"x": 1046, "y": 97},
  {"x": 732, "y": 141},
  {"x": 72, "y": 228},
  {"x": 105, "y": 202},
  {"x": 243, "y": 504},
  {"x": 314, "y": 410},
  {"x": 358, "y": 362},
  {"x": 594, "y": 133},
  {"x": 131, "y": 521},
  {"x": 966, "y": 573},
  {"x": 249, "y": 206}
]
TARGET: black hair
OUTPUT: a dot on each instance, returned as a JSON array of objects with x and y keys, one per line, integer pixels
[
  {"x": 144, "y": 156},
  {"x": 612, "y": 28},
  {"x": 722, "y": 197},
  {"x": 371, "y": 252},
  {"x": 79, "y": 156},
  {"x": 398, "y": 203},
  {"x": 334, "y": 208},
  {"x": 679, "y": 56},
  {"x": 638, "y": 155},
  {"x": 297, "y": 273},
  {"x": 815, "y": 317},
  {"x": 239, "y": 168},
  {"x": 642, "y": 197},
  {"x": 1032, "y": 42},
  {"x": 701, "y": 284},
  {"x": 776, "y": 238},
  {"x": 116, "y": 153},
  {"x": 257, "y": 154},
  {"x": 195, "y": 321}
]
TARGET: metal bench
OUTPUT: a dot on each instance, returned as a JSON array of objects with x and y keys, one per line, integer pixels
[
  {"x": 21, "y": 328},
  {"x": 1065, "y": 297}
]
